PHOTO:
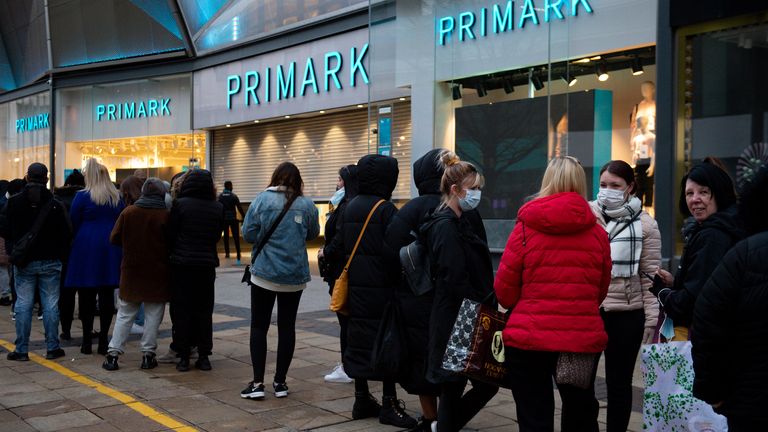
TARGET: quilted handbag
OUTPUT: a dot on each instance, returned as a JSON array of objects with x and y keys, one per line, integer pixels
[
  {"x": 576, "y": 369},
  {"x": 470, "y": 347}
]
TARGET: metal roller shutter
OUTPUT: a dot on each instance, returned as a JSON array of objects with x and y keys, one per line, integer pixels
[{"x": 319, "y": 146}]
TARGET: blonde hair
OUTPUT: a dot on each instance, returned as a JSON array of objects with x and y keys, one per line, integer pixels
[
  {"x": 564, "y": 174},
  {"x": 99, "y": 185},
  {"x": 456, "y": 172}
]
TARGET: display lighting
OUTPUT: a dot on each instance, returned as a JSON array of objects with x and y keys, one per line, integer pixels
[
  {"x": 507, "y": 85},
  {"x": 359, "y": 105},
  {"x": 402, "y": 99},
  {"x": 255, "y": 121},
  {"x": 456, "y": 91},
  {"x": 322, "y": 111},
  {"x": 535, "y": 81},
  {"x": 571, "y": 82},
  {"x": 287, "y": 116},
  {"x": 584, "y": 60},
  {"x": 637, "y": 66},
  {"x": 229, "y": 125},
  {"x": 602, "y": 72},
  {"x": 481, "y": 91}
]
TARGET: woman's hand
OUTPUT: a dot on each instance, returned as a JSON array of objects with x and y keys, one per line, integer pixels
[
  {"x": 320, "y": 253},
  {"x": 666, "y": 277},
  {"x": 648, "y": 335}
]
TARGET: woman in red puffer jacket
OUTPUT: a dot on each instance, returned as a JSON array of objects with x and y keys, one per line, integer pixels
[{"x": 554, "y": 274}]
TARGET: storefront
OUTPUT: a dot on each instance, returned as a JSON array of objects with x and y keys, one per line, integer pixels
[
  {"x": 128, "y": 126},
  {"x": 308, "y": 104},
  {"x": 24, "y": 134},
  {"x": 510, "y": 84}
]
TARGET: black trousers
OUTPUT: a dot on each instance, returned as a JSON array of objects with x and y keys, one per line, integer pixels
[
  {"x": 740, "y": 424},
  {"x": 457, "y": 408},
  {"x": 625, "y": 334},
  {"x": 87, "y": 303},
  {"x": 192, "y": 299},
  {"x": 262, "y": 303},
  {"x": 234, "y": 226},
  {"x": 66, "y": 308},
  {"x": 531, "y": 376},
  {"x": 644, "y": 182}
]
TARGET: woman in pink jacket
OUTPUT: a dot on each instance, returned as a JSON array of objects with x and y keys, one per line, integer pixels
[{"x": 554, "y": 274}]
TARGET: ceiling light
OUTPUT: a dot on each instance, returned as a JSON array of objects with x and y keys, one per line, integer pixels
[
  {"x": 595, "y": 58},
  {"x": 536, "y": 82},
  {"x": 322, "y": 111},
  {"x": 481, "y": 91},
  {"x": 255, "y": 121},
  {"x": 602, "y": 72},
  {"x": 456, "y": 91},
  {"x": 507, "y": 85},
  {"x": 637, "y": 66},
  {"x": 571, "y": 82},
  {"x": 229, "y": 125},
  {"x": 402, "y": 98},
  {"x": 584, "y": 60},
  {"x": 287, "y": 116},
  {"x": 359, "y": 105}
]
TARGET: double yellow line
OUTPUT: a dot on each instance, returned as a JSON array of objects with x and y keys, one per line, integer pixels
[{"x": 125, "y": 399}]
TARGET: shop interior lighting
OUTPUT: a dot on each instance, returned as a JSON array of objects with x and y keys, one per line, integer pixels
[
  {"x": 507, "y": 85},
  {"x": 359, "y": 105},
  {"x": 229, "y": 125},
  {"x": 571, "y": 82},
  {"x": 602, "y": 72},
  {"x": 584, "y": 60},
  {"x": 481, "y": 91},
  {"x": 456, "y": 91},
  {"x": 637, "y": 66},
  {"x": 402, "y": 99},
  {"x": 287, "y": 116},
  {"x": 322, "y": 111},
  {"x": 255, "y": 121},
  {"x": 595, "y": 58},
  {"x": 536, "y": 82}
]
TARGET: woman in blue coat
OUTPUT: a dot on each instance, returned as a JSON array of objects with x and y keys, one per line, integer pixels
[{"x": 94, "y": 264}]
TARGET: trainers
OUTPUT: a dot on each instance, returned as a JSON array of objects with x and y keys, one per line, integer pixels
[
  {"x": 203, "y": 363},
  {"x": 58, "y": 352},
  {"x": 365, "y": 406},
  {"x": 16, "y": 356},
  {"x": 281, "y": 390},
  {"x": 338, "y": 375},
  {"x": 237, "y": 262},
  {"x": 170, "y": 357},
  {"x": 423, "y": 425},
  {"x": 393, "y": 413},
  {"x": 136, "y": 329},
  {"x": 193, "y": 354},
  {"x": 148, "y": 361},
  {"x": 40, "y": 317},
  {"x": 253, "y": 391},
  {"x": 183, "y": 365},
  {"x": 110, "y": 363}
]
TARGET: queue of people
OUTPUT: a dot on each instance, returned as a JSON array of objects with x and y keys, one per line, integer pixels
[{"x": 576, "y": 277}]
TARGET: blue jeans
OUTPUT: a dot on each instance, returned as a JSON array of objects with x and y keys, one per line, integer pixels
[{"x": 44, "y": 275}]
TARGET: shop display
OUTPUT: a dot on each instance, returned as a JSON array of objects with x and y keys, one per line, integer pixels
[{"x": 643, "y": 142}]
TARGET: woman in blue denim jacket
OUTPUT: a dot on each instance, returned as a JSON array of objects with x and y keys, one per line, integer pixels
[{"x": 280, "y": 271}]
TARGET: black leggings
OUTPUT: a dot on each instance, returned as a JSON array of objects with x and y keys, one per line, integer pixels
[
  {"x": 262, "y": 303},
  {"x": 87, "y": 304},
  {"x": 625, "y": 333},
  {"x": 457, "y": 408},
  {"x": 66, "y": 308}
]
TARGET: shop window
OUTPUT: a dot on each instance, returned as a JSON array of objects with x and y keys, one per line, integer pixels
[{"x": 24, "y": 134}]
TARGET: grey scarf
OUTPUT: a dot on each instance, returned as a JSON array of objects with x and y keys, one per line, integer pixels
[{"x": 151, "y": 202}]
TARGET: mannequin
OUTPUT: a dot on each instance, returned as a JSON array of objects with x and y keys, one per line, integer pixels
[
  {"x": 643, "y": 142},
  {"x": 645, "y": 108}
]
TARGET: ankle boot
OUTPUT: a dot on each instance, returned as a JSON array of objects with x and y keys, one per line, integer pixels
[
  {"x": 393, "y": 413},
  {"x": 87, "y": 346},
  {"x": 365, "y": 406}
]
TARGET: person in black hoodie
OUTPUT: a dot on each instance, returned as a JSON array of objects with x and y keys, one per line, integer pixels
[
  {"x": 73, "y": 183},
  {"x": 371, "y": 281},
  {"x": 707, "y": 194},
  {"x": 730, "y": 326},
  {"x": 461, "y": 268},
  {"x": 41, "y": 266},
  {"x": 231, "y": 205},
  {"x": 416, "y": 310},
  {"x": 331, "y": 261},
  {"x": 195, "y": 226}
]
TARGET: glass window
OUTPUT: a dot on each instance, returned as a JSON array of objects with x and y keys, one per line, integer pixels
[{"x": 24, "y": 134}]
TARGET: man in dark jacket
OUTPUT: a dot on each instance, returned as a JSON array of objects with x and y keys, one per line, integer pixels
[
  {"x": 730, "y": 324},
  {"x": 371, "y": 280},
  {"x": 41, "y": 265},
  {"x": 231, "y": 204}
]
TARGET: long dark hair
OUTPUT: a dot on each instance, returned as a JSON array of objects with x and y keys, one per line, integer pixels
[
  {"x": 621, "y": 169},
  {"x": 288, "y": 175}
]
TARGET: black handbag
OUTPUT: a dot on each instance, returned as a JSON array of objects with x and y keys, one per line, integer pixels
[
  {"x": 388, "y": 355},
  {"x": 21, "y": 249},
  {"x": 247, "y": 272}
]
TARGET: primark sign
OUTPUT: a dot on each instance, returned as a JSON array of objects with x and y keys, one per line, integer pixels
[
  {"x": 32, "y": 123},
  {"x": 505, "y": 17}
]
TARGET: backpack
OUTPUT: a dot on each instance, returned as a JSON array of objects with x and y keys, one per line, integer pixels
[{"x": 416, "y": 266}]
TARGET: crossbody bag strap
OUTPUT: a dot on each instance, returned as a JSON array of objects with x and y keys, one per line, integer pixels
[
  {"x": 272, "y": 229},
  {"x": 41, "y": 217},
  {"x": 360, "y": 237}
]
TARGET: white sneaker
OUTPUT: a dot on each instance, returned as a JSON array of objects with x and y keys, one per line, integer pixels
[
  {"x": 137, "y": 329},
  {"x": 169, "y": 357},
  {"x": 338, "y": 375},
  {"x": 433, "y": 426}
]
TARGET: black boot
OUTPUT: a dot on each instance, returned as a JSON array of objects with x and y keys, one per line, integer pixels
[
  {"x": 423, "y": 425},
  {"x": 393, "y": 413},
  {"x": 87, "y": 346},
  {"x": 365, "y": 406},
  {"x": 110, "y": 363},
  {"x": 183, "y": 364},
  {"x": 148, "y": 361}
]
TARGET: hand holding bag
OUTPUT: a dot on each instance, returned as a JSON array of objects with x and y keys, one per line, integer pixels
[{"x": 340, "y": 293}]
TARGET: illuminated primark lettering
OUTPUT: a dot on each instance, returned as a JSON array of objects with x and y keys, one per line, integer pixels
[
  {"x": 133, "y": 109},
  {"x": 500, "y": 18},
  {"x": 326, "y": 74},
  {"x": 32, "y": 123}
]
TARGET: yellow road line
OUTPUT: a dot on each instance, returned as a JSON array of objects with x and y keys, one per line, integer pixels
[{"x": 125, "y": 399}]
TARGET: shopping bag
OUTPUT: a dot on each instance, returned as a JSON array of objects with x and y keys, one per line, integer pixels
[
  {"x": 389, "y": 349},
  {"x": 470, "y": 347},
  {"x": 668, "y": 402}
]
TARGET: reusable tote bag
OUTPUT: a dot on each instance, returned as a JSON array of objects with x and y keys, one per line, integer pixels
[{"x": 668, "y": 402}]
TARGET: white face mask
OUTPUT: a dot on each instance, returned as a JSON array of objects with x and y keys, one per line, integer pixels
[
  {"x": 337, "y": 197},
  {"x": 610, "y": 198},
  {"x": 471, "y": 200}
]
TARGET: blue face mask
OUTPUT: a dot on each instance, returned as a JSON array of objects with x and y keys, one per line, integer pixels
[
  {"x": 337, "y": 197},
  {"x": 471, "y": 200}
]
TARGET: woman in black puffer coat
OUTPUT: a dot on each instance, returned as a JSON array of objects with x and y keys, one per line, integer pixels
[
  {"x": 195, "y": 226},
  {"x": 416, "y": 310},
  {"x": 730, "y": 326},
  {"x": 371, "y": 280}
]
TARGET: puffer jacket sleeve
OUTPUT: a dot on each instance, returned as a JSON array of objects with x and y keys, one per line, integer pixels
[
  {"x": 605, "y": 247},
  {"x": 509, "y": 277},
  {"x": 650, "y": 259},
  {"x": 711, "y": 321}
]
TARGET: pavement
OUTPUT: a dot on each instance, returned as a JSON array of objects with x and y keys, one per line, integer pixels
[{"x": 74, "y": 393}]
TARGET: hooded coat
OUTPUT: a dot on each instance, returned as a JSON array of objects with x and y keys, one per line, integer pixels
[
  {"x": 371, "y": 280},
  {"x": 196, "y": 222},
  {"x": 332, "y": 251},
  {"x": 416, "y": 310},
  {"x": 554, "y": 274}
]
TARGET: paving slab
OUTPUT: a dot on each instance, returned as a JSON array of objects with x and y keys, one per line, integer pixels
[{"x": 56, "y": 422}]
